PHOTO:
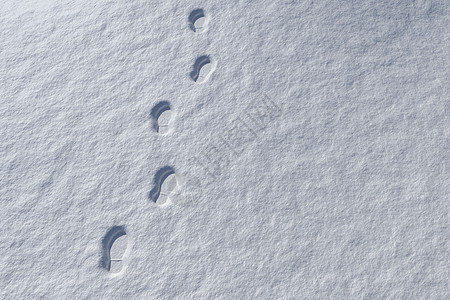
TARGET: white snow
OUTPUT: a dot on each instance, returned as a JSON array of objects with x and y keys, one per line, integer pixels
[{"x": 311, "y": 163}]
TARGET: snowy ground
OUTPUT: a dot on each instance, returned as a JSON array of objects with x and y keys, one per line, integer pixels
[{"x": 313, "y": 161}]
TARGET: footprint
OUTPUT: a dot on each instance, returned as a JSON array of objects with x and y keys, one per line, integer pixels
[
  {"x": 197, "y": 21},
  {"x": 166, "y": 184},
  {"x": 202, "y": 69},
  {"x": 162, "y": 115},
  {"x": 115, "y": 244}
]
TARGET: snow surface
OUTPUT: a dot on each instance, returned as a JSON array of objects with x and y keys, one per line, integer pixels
[{"x": 313, "y": 162}]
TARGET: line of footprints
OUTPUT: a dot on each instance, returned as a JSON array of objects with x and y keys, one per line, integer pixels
[{"x": 115, "y": 242}]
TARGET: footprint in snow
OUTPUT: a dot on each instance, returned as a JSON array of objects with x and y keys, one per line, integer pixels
[
  {"x": 198, "y": 22},
  {"x": 115, "y": 245},
  {"x": 162, "y": 116},
  {"x": 202, "y": 69},
  {"x": 166, "y": 185}
]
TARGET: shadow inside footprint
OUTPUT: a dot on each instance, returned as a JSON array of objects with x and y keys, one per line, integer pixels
[
  {"x": 157, "y": 111},
  {"x": 202, "y": 69},
  {"x": 160, "y": 177},
  {"x": 197, "y": 20},
  {"x": 111, "y": 236}
]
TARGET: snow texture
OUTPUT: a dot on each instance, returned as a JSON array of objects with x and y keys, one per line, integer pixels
[{"x": 313, "y": 163}]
